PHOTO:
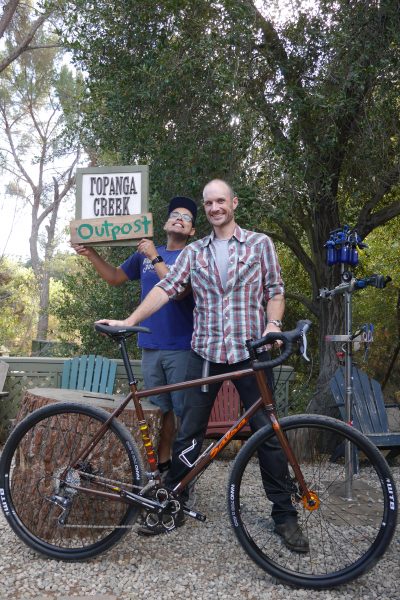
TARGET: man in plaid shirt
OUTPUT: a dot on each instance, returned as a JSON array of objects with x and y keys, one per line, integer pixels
[{"x": 239, "y": 294}]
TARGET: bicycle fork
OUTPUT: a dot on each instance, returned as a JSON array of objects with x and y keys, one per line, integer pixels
[{"x": 309, "y": 498}]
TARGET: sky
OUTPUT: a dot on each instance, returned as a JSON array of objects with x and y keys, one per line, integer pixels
[{"x": 15, "y": 225}]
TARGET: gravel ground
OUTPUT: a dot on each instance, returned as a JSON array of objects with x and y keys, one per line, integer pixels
[{"x": 200, "y": 560}]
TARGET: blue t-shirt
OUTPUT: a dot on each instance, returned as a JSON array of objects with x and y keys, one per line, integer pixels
[{"x": 171, "y": 326}]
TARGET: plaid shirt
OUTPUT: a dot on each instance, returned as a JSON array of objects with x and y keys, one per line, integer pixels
[{"x": 225, "y": 319}]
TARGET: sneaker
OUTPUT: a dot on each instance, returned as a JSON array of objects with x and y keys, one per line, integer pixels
[
  {"x": 292, "y": 536},
  {"x": 159, "y": 529}
]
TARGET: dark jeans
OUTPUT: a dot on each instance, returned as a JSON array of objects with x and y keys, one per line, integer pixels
[{"x": 196, "y": 412}]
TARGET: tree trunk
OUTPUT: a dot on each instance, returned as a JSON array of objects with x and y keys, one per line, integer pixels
[
  {"x": 43, "y": 322},
  {"x": 331, "y": 312}
]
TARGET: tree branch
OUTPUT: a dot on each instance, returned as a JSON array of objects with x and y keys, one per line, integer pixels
[
  {"x": 306, "y": 301},
  {"x": 374, "y": 220},
  {"x": 8, "y": 13},
  {"x": 387, "y": 182},
  {"x": 23, "y": 45},
  {"x": 291, "y": 240}
]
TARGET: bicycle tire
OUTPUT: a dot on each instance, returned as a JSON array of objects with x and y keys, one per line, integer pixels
[
  {"x": 346, "y": 538},
  {"x": 34, "y": 456}
]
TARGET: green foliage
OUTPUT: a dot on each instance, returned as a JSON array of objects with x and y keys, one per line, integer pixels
[
  {"x": 379, "y": 306},
  {"x": 282, "y": 109},
  {"x": 19, "y": 302},
  {"x": 85, "y": 298}
]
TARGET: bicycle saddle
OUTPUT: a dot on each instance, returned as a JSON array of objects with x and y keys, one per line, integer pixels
[{"x": 120, "y": 331}]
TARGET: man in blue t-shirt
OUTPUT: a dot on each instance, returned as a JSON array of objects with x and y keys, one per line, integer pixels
[{"x": 166, "y": 350}]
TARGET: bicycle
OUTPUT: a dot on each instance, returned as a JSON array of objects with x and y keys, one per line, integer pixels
[{"x": 73, "y": 482}]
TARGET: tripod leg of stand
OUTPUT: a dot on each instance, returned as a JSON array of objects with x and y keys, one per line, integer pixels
[{"x": 349, "y": 451}]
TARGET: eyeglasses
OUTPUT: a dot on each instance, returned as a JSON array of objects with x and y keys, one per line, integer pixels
[{"x": 177, "y": 215}]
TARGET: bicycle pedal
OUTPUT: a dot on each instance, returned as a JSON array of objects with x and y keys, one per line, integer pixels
[{"x": 194, "y": 514}]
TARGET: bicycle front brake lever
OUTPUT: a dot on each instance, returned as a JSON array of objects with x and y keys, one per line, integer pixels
[{"x": 303, "y": 346}]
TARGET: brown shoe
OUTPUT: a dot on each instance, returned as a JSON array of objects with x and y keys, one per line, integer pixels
[{"x": 292, "y": 536}]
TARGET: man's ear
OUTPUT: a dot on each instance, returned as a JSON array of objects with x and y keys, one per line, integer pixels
[
  {"x": 235, "y": 202},
  {"x": 192, "y": 232}
]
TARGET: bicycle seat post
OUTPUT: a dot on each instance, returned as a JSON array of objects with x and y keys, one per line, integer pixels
[
  {"x": 143, "y": 427},
  {"x": 124, "y": 353}
]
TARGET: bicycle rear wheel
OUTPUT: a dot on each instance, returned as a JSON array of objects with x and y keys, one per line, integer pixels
[
  {"x": 346, "y": 536},
  {"x": 35, "y": 473}
]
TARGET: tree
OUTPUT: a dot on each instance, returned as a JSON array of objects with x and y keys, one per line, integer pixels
[
  {"x": 19, "y": 306},
  {"x": 382, "y": 307},
  {"x": 300, "y": 112},
  {"x": 15, "y": 11},
  {"x": 83, "y": 292},
  {"x": 33, "y": 152}
]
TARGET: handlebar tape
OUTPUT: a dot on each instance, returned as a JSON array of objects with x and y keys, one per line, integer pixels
[{"x": 288, "y": 340}]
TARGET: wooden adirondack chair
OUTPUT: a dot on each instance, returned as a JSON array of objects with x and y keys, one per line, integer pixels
[
  {"x": 91, "y": 373},
  {"x": 369, "y": 409},
  {"x": 225, "y": 413}
]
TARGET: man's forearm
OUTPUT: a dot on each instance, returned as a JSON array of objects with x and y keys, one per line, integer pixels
[
  {"x": 276, "y": 308},
  {"x": 154, "y": 300},
  {"x": 106, "y": 271}
]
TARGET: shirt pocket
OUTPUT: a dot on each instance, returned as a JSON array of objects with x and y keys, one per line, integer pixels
[
  {"x": 200, "y": 272},
  {"x": 249, "y": 271}
]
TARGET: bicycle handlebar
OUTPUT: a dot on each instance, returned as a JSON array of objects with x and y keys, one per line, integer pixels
[{"x": 288, "y": 338}]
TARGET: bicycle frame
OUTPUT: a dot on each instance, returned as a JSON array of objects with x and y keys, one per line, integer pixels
[{"x": 212, "y": 451}]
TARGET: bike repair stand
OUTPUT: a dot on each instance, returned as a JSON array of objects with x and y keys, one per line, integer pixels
[{"x": 342, "y": 248}]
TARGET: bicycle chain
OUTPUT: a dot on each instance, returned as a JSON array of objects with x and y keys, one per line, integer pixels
[{"x": 105, "y": 480}]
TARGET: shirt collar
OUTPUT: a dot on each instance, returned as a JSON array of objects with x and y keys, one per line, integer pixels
[{"x": 239, "y": 234}]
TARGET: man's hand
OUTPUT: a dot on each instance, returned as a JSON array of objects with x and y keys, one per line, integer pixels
[
  {"x": 114, "y": 323},
  {"x": 270, "y": 328},
  {"x": 147, "y": 248},
  {"x": 84, "y": 250}
]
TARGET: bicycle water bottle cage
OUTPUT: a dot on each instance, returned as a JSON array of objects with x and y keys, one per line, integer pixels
[{"x": 119, "y": 331}]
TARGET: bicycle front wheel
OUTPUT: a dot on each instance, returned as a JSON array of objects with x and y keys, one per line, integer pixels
[
  {"x": 352, "y": 520},
  {"x": 37, "y": 481}
]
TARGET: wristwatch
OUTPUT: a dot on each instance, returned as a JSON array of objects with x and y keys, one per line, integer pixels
[
  {"x": 276, "y": 322},
  {"x": 157, "y": 259}
]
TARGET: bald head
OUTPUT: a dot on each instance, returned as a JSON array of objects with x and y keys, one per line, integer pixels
[{"x": 218, "y": 184}]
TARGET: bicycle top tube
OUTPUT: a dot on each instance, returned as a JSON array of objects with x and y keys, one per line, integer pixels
[{"x": 288, "y": 339}]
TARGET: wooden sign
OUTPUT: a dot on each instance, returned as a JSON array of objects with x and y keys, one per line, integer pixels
[
  {"x": 110, "y": 203},
  {"x": 109, "y": 230}
]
